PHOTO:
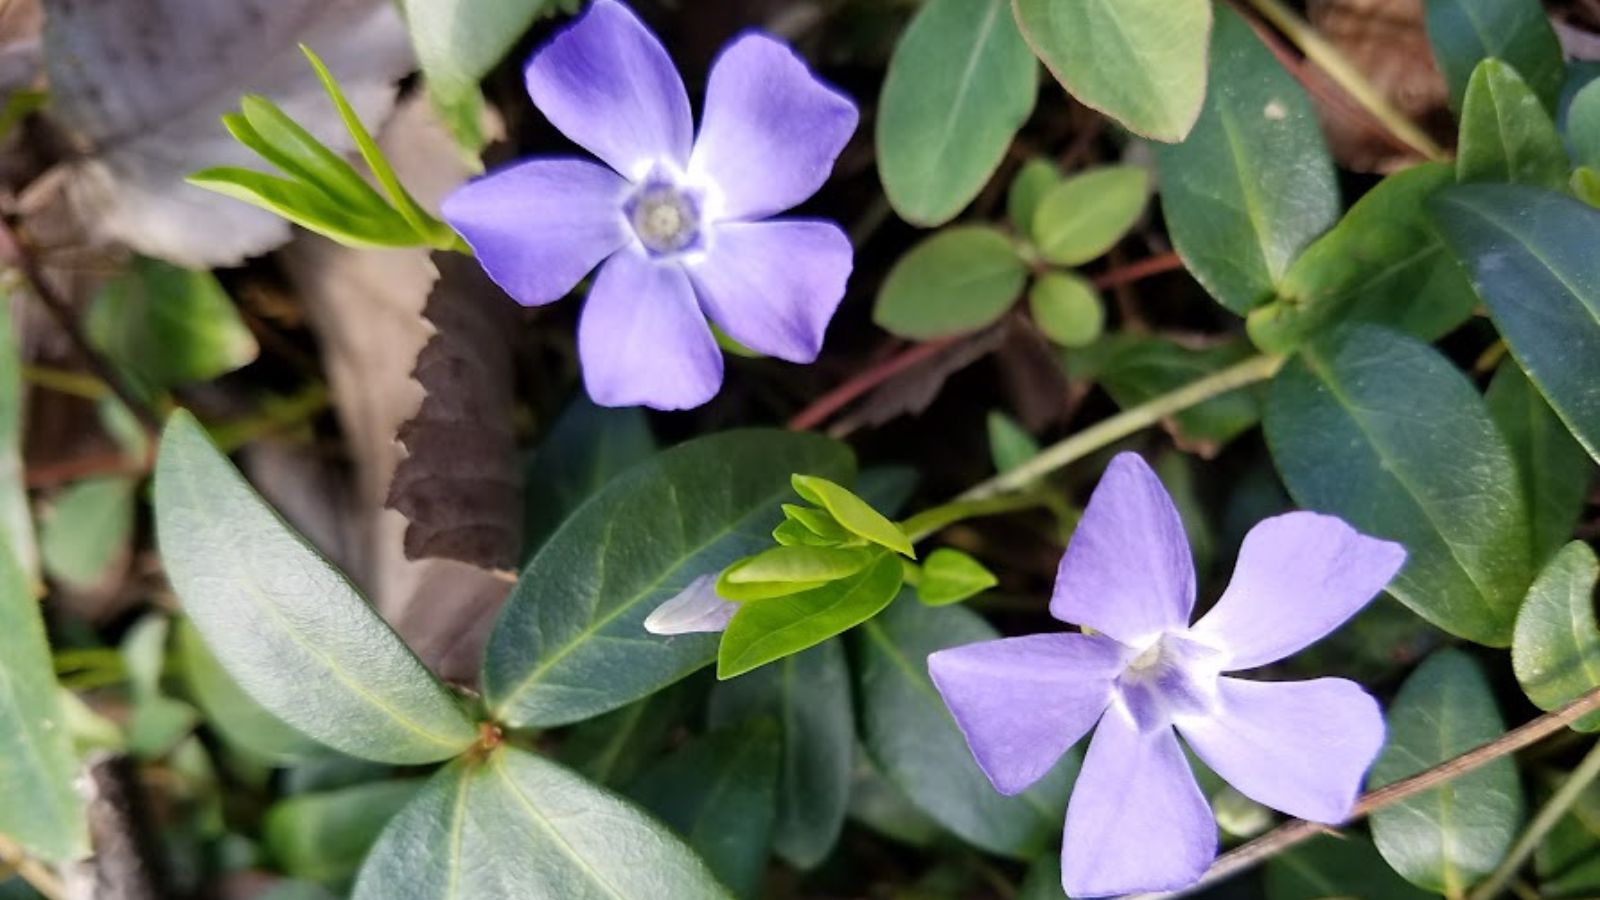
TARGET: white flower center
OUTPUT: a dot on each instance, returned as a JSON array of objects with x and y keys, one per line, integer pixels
[
  {"x": 665, "y": 216},
  {"x": 1173, "y": 676}
]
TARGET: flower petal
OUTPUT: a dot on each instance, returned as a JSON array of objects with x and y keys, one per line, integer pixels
[
  {"x": 1023, "y": 702},
  {"x": 538, "y": 227},
  {"x": 771, "y": 130},
  {"x": 1127, "y": 570},
  {"x": 774, "y": 286},
  {"x": 1299, "y": 576},
  {"x": 643, "y": 340},
  {"x": 695, "y": 609},
  {"x": 1297, "y": 746},
  {"x": 1137, "y": 820},
  {"x": 608, "y": 84}
]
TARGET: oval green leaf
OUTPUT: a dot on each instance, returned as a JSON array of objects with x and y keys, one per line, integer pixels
[
  {"x": 286, "y": 624},
  {"x": 1335, "y": 866},
  {"x": 1382, "y": 430},
  {"x": 169, "y": 326},
  {"x": 1141, "y": 62},
  {"x": 84, "y": 538},
  {"x": 853, "y": 513},
  {"x": 1447, "y": 838},
  {"x": 1506, "y": 136},
  {"x": 1466, "y": 32},
  {"x": 1556, "y": 652},
  {"x": 553, "y": 657},
  {"x": 956, "y": 281},
  {"x": 960, "y": 83},
  {"x": 951, "y": 576},
  {"x": 1067, "y": 308},
  {"x": 16, "y": 515},
  {"x": 1554, "y": 471},
  {"x": 1085, "y": 215},
  {"x": 324, "y": 836},
  {"x": 1583, "y": 126},
  {"x": 799, "y": 564},
  {"x": 1036, "y": 177}
]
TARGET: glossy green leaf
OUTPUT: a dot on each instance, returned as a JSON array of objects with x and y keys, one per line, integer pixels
[
  {"x": 241, "y": 721},
  {"x": 1553, "y": 469},
  {"x": 517, "y": 825},
  {"x": 42, "y": 811},
  {"x": 951, "y": 576},
  {"x": 571, "y": 642},
  {"x": 720, "y": 793},
  {"x": 1035, "y": 179},
  {"x": 747, "y": 591},
  {"x": 1010, "y": 445},
  {"x": 876, "y": 803},
  {"x": 324, "y": 836},
  {"x": 909, "y": 733},
  {"x": 1335, "y": 866},
  {"x": 1067, "y": 308},
  {"x": 1088, "y": 213},
  {"x": 16, "y": 516},
  {"x": 1583, "y": 126},
  {"x": 960, "y": 83},
  {"x": 308, "y": 207},
  {"x": 169, "y": 326},
  {"x": 268, "y": 130},
  {"x": 1506, "y": 135},
  {"x": 799, "y": 564},
  {"x": 809, "y": 694},
  {"x": 1382, "y": 430},
  {"x": 856, "y": 515},
  {"x": 286, "y": 624},
  {"x": 1568, "y": 862},
  {"x": 766, "y": 630},
  {"x": 1135, "y": 368},
  {"x": 1384, "y": 263},
  {"x": 84, "y": 535},
  {"x": 1254, "y": 183},
  {"x": 1585, "y": 185},
  {"x": 1141, "y": 62},
  {"x": 1556, "y": 651},
  {"x": 819, "y": 524},
  {"x": 1447, "y": 838},
  {"x": 613, "y": 748},
  {"x": 1529, "y": 254},
  {"x": 959, "y": 280},
  {"x": 586, "y": 447},
  {"x": 1466, "y": 32}
]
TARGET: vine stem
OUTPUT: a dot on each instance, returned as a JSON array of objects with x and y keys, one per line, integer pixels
[
  {"x": 1343, "y": 73},
  {"x": 1289, "y": 834},
  {"x": 31, "y": 870},
  {"x": 1549, "y": 815},
  {"x": 1100, "y": 434}
]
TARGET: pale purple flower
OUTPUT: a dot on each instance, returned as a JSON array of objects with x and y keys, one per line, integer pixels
[
  {"x": 1137, "y": 820},
  {"x": 676, "y": 218},
  {"x": 697, "y": 609}
]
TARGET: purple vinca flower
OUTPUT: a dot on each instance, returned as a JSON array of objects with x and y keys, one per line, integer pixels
[
  {"x": 1137, "y": 820},
  {"x": 677, "y": 218}
]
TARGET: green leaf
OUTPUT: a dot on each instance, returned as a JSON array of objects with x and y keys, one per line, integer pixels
[
  {"x": 951, "y": 576},
  {"x": 1141, "y": 62},
  {"x": 323, "y": 837},
  {"x": 1447, "y": 838},
  {"x": 720, "y": 793},
  {"x": 1556, "y": 651},
  {"x": 1010, "y": 445},
  {"x": 586, "y": 447},
  {"x": 516, "y": 825},
  {"x": 1553, "y": 469},
  {"x": 1466, "y": 32},
  {"x": 819, "y": 523},
  {"x": 799, "y": 564},
  {"x": 84, "y": 537},
  {"x": 266, "y": 129},
  {"x": 1585, "y": 185},
  {"x": 910, "y": 735},
  {"x": 957, "y": 281},
  {"x": 308, "y": 207},
  {"x": 766, "y": 630},
  {"x": 855, "y": 514},
  {"x": 1328, "y": 866},
  {"x": 578, "y": 610},
  {"x": 42, "y": 811},
  {"x": 809, "y": 694},
  {"x": 240, "y": 720},
  {"x": 1530, "y": 256},
  {"x": 1384, "y": 263},
  {"x": 613, "y": 748},
  {"x": 1035, "y": 179},
  {"x": 1254, "y": 183},
  {"x": 169, "y": 326},
  {"x": 1383, "y": 431},
  {"x": 1583, "y": 126},
  {"x": 1506, "y": 136},
  {"x": 1087, "y": 214},
  {"x": 1067, "y": 308},
  {"x": 960, "y": 83},
  {"x": 286, "y": 624},
  {"x": 16, "y": 517},
  {"x": 1134, "y": 369}
]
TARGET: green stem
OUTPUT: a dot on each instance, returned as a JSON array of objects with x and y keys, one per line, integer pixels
[
  {"x": 937, "y": 518},
  {"x": 276, "y": 415},
  {"x": 1331, "y": 61},
  {"x": 1108, "y": 431},
  {"x": 62, "y": 381},
  {"x": 1549, "y": 815}
]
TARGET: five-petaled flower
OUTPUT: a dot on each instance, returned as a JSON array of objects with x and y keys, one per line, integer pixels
[
  {"x": 677, "y": 218},
  {"x": 1137, "y": 820}
]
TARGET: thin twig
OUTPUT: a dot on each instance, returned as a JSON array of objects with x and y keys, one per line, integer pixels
[
  {"x": 1291, "y": 833},
  {"x": 1546, "y": 819},
  {"x": 31, "y": 870}
]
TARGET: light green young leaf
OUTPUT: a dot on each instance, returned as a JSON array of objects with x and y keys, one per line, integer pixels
[
  {"x": 1086, "y": 214},
  {"x": 1383, "y": 431},
  {"x": 1466, "y": 32},
  {"x": 1010, "y": 445},
  {"x": 1506, "y": 136},
  {"x": 854, "y": 513},
  {"x": 268, "y": 130},
  {"x": 169, "y": 326},
  {"x": 580, "y": 605},
  {"x": 779, "y": 564},
  {"x": 1067, "y": 308},
  {"x": 516, "y": 825},
  {"x": 16, "y": 517},
  {"x": 1554, "y": 471},
  {"x": 1035, "y": 179},
  {"x": 307, "y": 207},
  {"x": 960, "y": 83},
  {"x": 957, "y": 281},
  {"x": 287, "y": 625},
  {"x": 1583, "y": 126},
  {"x": 766, "y": 630},
  {"x": 1447, "y": 838},
  {"x": 819, "y": 523},
  {"x": 85, "y": 535},
  {"x": 1141, "y": 62},
  {"x": 951, "y": 576},
  {"x": 1556, "y": 651},
  {"x": 324, "y": 836}
]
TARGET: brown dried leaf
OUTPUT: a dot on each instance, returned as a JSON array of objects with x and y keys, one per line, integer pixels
[{"x": 914, "y": 390}]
